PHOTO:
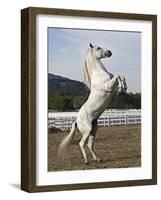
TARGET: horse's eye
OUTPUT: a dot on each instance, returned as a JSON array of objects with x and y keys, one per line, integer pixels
[{"x": 98, "y": 48}]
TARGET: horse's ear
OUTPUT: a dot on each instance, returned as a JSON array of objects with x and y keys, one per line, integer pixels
[{"x": 90, "y": 45}]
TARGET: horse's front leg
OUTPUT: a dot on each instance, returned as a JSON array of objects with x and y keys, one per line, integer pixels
[
  {"x": 112, "y": 83},
  {"x": 123, "y": 83}
]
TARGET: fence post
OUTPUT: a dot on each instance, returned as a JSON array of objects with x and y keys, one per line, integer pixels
[
  {"x": 108, "y": 120},
  {"x": 126, "y": 119}
]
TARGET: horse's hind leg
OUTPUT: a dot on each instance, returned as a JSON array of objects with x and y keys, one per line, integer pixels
[
  {"x": 90, "y": 146},
  {"x": 82, "y": 144},
  {"x": 84, "y": 126},
  {"x": 91, "y": 140}
]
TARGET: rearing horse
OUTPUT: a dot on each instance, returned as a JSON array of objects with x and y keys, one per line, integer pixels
[{"x": 103, "y": 85}]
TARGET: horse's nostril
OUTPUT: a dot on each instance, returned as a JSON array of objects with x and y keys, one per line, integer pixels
[{"x": 109, "y": 53}]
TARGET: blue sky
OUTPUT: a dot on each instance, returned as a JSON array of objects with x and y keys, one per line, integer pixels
[{"x": 67, "y": 48}]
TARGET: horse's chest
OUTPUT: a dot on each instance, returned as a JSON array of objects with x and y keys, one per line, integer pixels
[{"x": 106, "y": 97}]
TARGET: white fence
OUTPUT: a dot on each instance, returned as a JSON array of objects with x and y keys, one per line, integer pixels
[{"x": 64, "y": 120}]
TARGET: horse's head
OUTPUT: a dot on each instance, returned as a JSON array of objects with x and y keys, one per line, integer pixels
[{"x": 100, "y": 52}]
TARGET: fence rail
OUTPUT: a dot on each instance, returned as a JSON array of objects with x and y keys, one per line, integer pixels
[{"x": 64, "y": 120}]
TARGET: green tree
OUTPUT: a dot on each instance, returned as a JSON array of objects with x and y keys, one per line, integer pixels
[
  {"x": 68, "y": 103},
  {"x": 60, "y": 102}
]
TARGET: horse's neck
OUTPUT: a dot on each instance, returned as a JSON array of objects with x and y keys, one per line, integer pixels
[
  {"x": 100, "y": 67},
  {"x": 95, "y": 66}
]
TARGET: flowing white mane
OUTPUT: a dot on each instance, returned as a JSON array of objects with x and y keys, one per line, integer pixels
[{"x": 87, "y": 79}]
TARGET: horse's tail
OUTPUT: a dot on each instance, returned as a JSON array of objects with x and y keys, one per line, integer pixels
[{"x": 66, "y": 142}]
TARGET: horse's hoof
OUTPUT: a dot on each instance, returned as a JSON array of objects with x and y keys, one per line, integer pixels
[{"x": 98, "y": 160}]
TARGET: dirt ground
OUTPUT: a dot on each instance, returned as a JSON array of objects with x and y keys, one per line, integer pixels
[{"x": 117, "y": 147}]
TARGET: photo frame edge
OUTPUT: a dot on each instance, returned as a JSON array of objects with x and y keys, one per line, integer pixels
[
  {"x": 154, "y": 99},
  {"x": 28, "y": 100}
]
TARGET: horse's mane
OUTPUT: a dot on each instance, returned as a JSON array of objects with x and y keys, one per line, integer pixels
[{"x": 87, "y": 79}]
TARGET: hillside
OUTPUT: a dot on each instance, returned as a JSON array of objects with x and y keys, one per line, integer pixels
[
  {"x": 65, "y": 94},
  {"x": 66, "y": 86}
]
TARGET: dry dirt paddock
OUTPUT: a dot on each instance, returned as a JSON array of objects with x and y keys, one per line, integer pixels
[{"x": 116, "y": 146}]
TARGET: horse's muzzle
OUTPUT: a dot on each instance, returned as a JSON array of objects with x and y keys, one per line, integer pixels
[{"x": 108, "y": 53}]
